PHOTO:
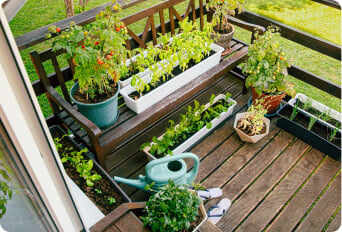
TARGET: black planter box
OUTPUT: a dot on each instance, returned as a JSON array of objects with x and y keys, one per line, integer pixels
[
  {"x": 307, "y": 136},
  {"x": 56, "y": 130}
]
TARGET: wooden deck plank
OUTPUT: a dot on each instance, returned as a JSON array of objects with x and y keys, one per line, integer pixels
[
  {"x": 222, "y": 153},
  {"x": 130, "y": 223},
  {"x": 324, "y": 208},
  {"x": 254, "y": 168},
  {"x": 262, "y": 186},
  {"x": 288, "y": 219},
  {"x": 269, "y": 208},
  {"x": 238, "y": 160},
  {"x": 131, "y": 165},
  {"x": 335, "y": 223}
]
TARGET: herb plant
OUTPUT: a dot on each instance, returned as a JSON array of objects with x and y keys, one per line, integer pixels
[
  {"x": 267, "y": 65},
  {"x": 6, "y": 190},
  {"x": 194, "y": 119},
  {"x": 75, "y": 158},
  {"x": 252, "y": 122},
  {"x": 172, "y": 209}
]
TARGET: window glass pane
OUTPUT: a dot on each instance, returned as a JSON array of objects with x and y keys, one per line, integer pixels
[{"x": 20, "y": 207}]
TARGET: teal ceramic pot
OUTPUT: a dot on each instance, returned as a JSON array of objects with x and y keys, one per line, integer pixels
[{"x": 103, "y": 114}]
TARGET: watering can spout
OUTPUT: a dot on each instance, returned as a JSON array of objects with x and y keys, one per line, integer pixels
[{"x": 138, "y": 183}]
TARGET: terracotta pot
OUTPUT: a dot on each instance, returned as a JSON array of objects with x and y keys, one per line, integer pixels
[
  {"x": 272, "y": 101},
  {"x": 224, "y": 39}
]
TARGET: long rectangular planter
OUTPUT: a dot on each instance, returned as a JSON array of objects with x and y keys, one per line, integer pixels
[
  {"x": 306, "y": 135},
  {"x": 56, "y": 130},
  {"x": 317, "y": 106},
  {"x": 202, "y": 132},
  {"x": 172, "y": 85}
]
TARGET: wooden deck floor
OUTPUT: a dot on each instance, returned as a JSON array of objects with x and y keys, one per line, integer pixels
[{"x": 278, "y": 184}]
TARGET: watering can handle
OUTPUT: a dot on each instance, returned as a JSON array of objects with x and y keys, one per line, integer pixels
[{"x": 190, "y": 175}]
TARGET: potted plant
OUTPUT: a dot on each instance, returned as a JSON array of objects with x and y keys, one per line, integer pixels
[
  {"x": 87, "y": 174},
  {"x": 311, "y": 130},
  {"x": 188, "y": 55},
  {"x": 197, "y": 122},
  {"x": 266, "y": 68},
  {"x": 224, "y": 31},
  {"x": 252, "y": 126},
  {"x": 98, "y": 54},
  {"x": 174, "y": 208}
]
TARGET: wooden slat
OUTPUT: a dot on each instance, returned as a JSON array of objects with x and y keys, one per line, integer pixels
[
  {"x": 316, "y": 81},
  {"x": 130, "y": 223},
  {"x": 252, "y": 170},
  {"x": 162, "y": 22},
  {"x": 335, "y": 223},
  {"x": 262, "y": 186},
  {"x": 227, "y": 170},
  {"x": 39, "y": 35},
  {"x": 294, "y": 34},
  {"x": 61, "y": 79},
  {"x": 134, "y": 163},
  {"x": 153, "y": 29},
  {"x": 274, "y": 202},
  {"x": 172, "y": 21},
  {"x": 208, "y": 226},
  {"x": 223, "y": 152},
  {"x": 324, "y": 208},
  {"x": 145, "y": 31},
  {"x": 301, "y": 202}
]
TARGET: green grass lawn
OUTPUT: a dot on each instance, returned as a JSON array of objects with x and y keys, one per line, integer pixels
[{"x": 314, "y": 18}]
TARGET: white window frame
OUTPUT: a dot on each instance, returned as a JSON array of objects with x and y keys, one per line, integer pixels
[{"x": 27, "y": 129}]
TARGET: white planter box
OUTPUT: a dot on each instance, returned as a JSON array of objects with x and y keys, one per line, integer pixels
[
  {"x": 317, "y": 106},
  {"x": 141, "y": 74},
  {"x": 201, "y": 133},
  {"x": 247, "y": 138},
  {"x": 170, "y": 86}
]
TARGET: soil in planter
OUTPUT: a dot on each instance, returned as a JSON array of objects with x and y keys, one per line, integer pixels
[
  {"x": 98, "y": 97},
  {"x": 317, "y": 113},
  {"x": 176, "y": 71},
  {"x": 99, "y": 199},
  {"x": 317, "y": 128},
  {"x": 187, "y": 135},
  {"x": 248, "y": 131}
]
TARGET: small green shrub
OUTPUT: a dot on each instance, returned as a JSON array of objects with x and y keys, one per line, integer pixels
[{"x": 172, "y": 209}]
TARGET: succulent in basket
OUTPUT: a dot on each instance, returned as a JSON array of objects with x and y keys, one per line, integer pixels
[
  {"x": 173, "y": 208},
  {"x": 252, "y": 123},
  {"x": 266, "y": 68},
  {"x": 251, "y": 126},
  {"x": 98, "y": 53}
]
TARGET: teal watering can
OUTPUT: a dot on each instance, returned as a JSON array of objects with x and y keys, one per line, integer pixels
[{"x": 161, "y": 170}]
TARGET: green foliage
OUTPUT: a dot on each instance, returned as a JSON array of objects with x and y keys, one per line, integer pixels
[
  {"x": 222, "y": 9},
  {"x": 267, "y": 65},
  {"x": 252, "y": 121},
  {"x": 172, "y": 209},
  {"x": 191, "y": 44},
  {"x": 194, "y": 119},
  {"x": 5, "y": 189},
  {"x": 97, "y": 50},
  {"x": 75, "y": 158}
]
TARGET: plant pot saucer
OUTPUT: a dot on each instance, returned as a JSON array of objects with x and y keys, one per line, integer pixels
[{"x": 266, "y": 115}]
